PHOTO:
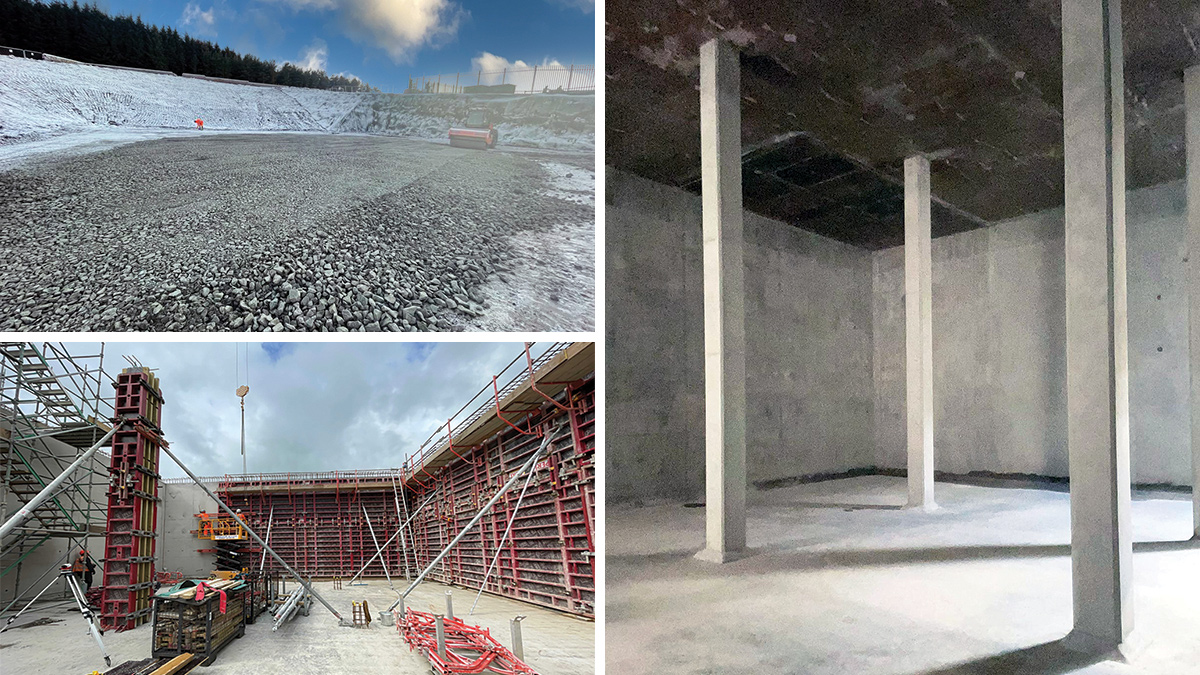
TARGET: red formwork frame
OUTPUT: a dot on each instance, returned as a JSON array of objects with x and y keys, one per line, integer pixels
[
  {"x": 547, "y": 559},
  {"x": 319, "y": 526},
  {"x": 469, "y": 648},
  {"x": 133, "y": 500}
]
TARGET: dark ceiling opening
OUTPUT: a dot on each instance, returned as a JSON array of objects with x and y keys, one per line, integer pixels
[{"x": 835, "y": 95}]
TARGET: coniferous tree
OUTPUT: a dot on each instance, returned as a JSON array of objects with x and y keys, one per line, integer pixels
[{"x": 85, "y": 33}]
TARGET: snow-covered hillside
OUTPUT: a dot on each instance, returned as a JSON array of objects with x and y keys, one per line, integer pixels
[{"x": 42, "y": 99}]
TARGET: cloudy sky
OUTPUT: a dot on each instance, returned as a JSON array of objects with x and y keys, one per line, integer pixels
[
  {"x": 312, "y": 406},
  {"x": 384, "y": 41}
]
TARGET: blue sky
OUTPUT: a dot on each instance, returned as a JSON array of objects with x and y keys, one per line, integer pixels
[{"x": 385, "y": 41}]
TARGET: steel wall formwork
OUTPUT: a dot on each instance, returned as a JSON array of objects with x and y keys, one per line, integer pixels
[
  {"x": 132, "y": 501},
  {"x": 318, "y": 524},
  {"x": 547, "y": 559}
]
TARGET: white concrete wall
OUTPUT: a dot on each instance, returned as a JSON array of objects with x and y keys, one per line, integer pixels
[
  {"x": 999, "y": 345},
  {"x": 825, "y": 346},
  {"x": 178, "y": 548},
  {"x": 808, "y": 349}
]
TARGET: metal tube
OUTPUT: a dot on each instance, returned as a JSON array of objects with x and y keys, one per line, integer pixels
[
  {"x": 308, "y": 587},
  {"x": 503, "y": 540},
  {"x": 393, "y": 537},
  {"x": 528, "y": 466},
  {"x": 27, "y": 510},
  {"x": 450, "y": 604},
  {"x": 518, "y": 644},
  {"x": 270, "y": 521},
  {"x": 382, "y": 561},
  {"x": 440, "y": 623}
]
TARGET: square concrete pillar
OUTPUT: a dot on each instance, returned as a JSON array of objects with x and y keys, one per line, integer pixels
[
  {"x": 1191, "y": 105},
  {"x": 1097, "y": 343},
  {"x": 918, "y": 332},
  {"x": 724, "y": 319}
]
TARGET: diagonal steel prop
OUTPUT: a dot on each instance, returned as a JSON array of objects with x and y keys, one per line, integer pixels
[
  {"x": 307, "y": 586},
  {"x": 23, "y": 514},
  {"x": 392, "y": 538},
  {"x": 500, "y": 548},
  {"x": 270, "y": 521},
  {"x": 382, "y": 562},
  {"x": 527, "y": 466}
]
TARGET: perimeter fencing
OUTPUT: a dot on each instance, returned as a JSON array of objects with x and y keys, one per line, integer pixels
[{"x": 537, "y": 79}]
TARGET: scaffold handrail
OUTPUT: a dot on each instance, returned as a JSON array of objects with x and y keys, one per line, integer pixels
[{"x": 491, "y": 398}]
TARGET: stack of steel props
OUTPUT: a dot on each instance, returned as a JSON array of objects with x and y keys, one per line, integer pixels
[
  {"x": 288, "y": 609},
  {"x": 464, "y": 649}
]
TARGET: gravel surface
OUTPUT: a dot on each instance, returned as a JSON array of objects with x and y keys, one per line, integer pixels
[{"x": 295, "y": 232}]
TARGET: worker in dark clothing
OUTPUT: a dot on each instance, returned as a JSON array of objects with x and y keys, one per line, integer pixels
[
  {"x": 84, "y": 568},
  {"x": 91, "y": 571}
]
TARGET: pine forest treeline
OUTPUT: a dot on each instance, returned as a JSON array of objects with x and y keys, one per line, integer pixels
[{"x": 85, "y": 33}]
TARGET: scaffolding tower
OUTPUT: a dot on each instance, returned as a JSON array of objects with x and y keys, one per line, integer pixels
[{"x": 48, "y": 397}]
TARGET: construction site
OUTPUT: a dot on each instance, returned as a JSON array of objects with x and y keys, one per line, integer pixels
[{"x": 474, "y": 555}]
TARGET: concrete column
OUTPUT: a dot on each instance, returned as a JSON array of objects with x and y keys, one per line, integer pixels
[
  {"x": 724, "y": 320},
  {"x": 1191, "y": 95},
  {"x": 1097, "y": 344},
  {"x": 918, "y": 332}
]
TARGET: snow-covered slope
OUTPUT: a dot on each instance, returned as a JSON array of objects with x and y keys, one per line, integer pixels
[{"x": 40, "y": 99}]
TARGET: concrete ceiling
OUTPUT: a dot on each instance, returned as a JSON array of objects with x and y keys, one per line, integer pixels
[{"x": 837, "y": 94}]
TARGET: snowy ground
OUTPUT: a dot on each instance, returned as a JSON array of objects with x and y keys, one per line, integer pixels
[
  {"x": 564, "y": 254},
  {"x": 42, "y": 100},
  {"x": 296, "y": 232}
]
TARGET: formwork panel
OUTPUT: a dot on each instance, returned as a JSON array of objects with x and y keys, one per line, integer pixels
[{"x": 319, "y": 528}]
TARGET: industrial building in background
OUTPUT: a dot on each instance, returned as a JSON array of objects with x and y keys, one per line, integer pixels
[{"x": 497, "y": 506}]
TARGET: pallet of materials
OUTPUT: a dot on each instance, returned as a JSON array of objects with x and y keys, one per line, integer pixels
[{"x": 183, "y": 624}]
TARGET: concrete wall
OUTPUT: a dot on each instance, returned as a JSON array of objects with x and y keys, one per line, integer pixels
[
  {"x": 177, "y": 548},
  {"x": 999, "y": 320},
  {"x": 809, "y": 379}
]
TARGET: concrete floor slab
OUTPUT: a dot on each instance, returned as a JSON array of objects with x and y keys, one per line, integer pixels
[
  {"x": 841, "y": 579},
  {"x": 555, "y": 643}
]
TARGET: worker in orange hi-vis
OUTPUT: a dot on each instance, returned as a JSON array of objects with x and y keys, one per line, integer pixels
[{"x": 200, "y": 124}]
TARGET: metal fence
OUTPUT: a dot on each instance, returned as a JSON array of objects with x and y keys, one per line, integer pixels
[{"x": 537, "y": 79}]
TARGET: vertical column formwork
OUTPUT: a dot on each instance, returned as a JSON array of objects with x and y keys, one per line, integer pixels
[{"x": 132, "y": 501}]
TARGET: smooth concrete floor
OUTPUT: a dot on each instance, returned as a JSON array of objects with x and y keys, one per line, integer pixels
[
  {"x": 841, "y": 580},
  {"x": 555, "y": 643}
]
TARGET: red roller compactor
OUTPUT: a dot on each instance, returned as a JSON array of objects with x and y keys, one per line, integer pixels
[{"x": 476, "y": 132}]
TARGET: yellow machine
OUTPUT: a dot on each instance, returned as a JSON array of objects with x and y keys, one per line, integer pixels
[{"x": 216, "y": 527}]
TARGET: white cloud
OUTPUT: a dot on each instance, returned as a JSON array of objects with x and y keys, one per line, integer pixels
[
  {"x": 582, "y": 5},
  {"x": 199, "y": 22},
  {"x": 314, "y": 57},
  {"x": 400, "y": 27},
  {"x": 499, "y": 70},
  {"x": 312, "y": 406}
]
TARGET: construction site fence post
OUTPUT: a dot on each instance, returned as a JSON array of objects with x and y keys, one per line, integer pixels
[
  {"x": 299, "y": 579},
  {"x": 27, "y": 510}
]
